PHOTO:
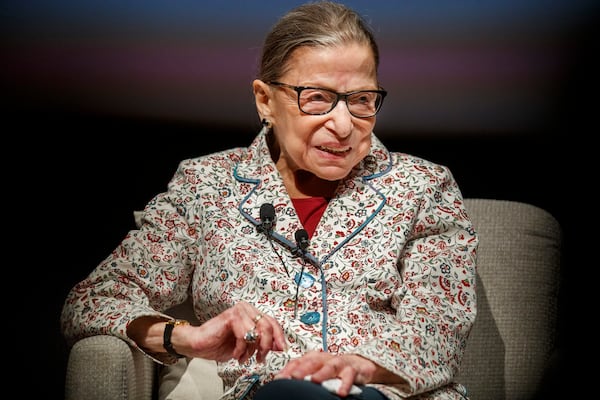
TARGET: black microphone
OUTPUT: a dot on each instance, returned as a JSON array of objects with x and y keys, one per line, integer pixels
[
  {"x": 267, "y": 221},
  {"x": 267, "y": 218},
  {"x": 302, "y": 240}
]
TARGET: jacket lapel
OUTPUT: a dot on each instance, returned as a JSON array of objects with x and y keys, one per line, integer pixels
[{"x": 355, "y": 204}]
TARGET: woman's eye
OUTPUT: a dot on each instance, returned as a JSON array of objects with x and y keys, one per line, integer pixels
[
  {"x": 361, "y": 99},
  {"x": 318, "y": 96}
]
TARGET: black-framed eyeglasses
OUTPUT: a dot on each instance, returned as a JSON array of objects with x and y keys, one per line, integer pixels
[{"x": 320, "y": 101}]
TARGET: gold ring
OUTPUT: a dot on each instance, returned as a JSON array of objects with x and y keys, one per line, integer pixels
[
  {"x": 251, "y": 336},
  {"x": 257, "y": 318}
]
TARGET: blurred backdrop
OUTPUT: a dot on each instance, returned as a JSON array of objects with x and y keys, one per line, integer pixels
[
  {"x": 449, "y": 66},
  {"x": 102, "y": 99}
]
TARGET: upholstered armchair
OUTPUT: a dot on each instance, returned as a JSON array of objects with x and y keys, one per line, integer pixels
[{"x": 510, "y": 347}]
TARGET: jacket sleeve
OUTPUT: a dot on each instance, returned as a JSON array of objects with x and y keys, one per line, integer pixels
[{"x": 149, "y": 271}]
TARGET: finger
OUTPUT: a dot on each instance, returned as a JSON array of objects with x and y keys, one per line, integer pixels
[
  {"x": 245, "y": 340},
  {"x": 347, "y": 376},
  {"x": 266, "y": 343},
  {"x": 271, "y": 335},
  {"x": 323, "y": 367},
  {"x": 270, "y": 326},
  {"x": 240, "y": 349},
  {"x": 250, "y": 349},
  {"x": 244, "y": 330}
]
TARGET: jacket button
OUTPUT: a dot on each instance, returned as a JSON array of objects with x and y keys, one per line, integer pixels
[{"x": 311, "y": 318}]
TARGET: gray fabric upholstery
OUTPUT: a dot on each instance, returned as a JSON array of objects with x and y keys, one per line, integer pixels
[
  {"x": 511, "y": 343},
  {"x": 105, "y": 367},
  {"x": 518, "y": 281}
]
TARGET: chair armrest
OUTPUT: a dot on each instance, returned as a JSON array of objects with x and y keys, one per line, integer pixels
[{"x": 106, "y": 367}]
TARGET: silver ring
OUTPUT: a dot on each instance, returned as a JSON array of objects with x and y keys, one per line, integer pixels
[
  {"x": 257, "y": 318},
  {"x": 251, "y": 336}
]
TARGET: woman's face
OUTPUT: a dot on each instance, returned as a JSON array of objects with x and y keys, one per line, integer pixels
[{"x": 329, "y": 145}]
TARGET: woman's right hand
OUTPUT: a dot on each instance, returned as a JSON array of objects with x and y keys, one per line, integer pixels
[{"x": 221, "y": 338}]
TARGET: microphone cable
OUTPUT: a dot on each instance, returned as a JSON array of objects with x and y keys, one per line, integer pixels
[
  {"x": 278, "y": 255},
  {"x": 302, "y": 242}
]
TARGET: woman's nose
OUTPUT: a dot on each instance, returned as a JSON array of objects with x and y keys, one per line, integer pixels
[{"x": 342, "y": 119}]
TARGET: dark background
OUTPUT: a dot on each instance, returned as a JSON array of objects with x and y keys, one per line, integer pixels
[{"x": 100, "y": 101}]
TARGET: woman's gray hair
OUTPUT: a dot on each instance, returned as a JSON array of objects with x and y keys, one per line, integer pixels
[{"x": 317, "y": 24}]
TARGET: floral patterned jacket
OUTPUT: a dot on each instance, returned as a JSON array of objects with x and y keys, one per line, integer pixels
[{"x": 389, "y": 273}]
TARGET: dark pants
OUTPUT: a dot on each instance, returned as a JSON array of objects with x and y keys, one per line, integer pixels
[{"x": 295, "y": 389}]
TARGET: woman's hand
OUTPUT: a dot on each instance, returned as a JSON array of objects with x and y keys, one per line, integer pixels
[
  {"x": 350, "y": 368},
  {"x": 223, "y": 337},
  {"x": 220, "y": 338}
]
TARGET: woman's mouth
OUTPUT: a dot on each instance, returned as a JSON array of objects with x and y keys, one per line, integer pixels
[{"x": 334, "y": 151}]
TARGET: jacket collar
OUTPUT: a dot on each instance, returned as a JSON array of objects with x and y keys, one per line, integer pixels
[{"x": 356, "y": 201}]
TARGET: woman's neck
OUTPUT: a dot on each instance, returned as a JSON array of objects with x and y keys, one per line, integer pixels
[
  {"x": 300, "y": 183},
  {"x": 303, "y": 184}
]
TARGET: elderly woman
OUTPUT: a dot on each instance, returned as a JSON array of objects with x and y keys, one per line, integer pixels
[{"x": 313, "y": 254}]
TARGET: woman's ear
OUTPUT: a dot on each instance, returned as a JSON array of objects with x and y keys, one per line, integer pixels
[{"x": 262, "y": 98}]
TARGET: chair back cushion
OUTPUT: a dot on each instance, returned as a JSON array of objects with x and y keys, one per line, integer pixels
[{"x": 514, "y": 335}]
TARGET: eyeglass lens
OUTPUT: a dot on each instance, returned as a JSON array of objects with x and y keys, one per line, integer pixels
[{"x": 322, "y": 101}]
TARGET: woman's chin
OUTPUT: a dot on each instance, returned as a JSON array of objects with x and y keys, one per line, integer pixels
[{"x": 332, "y": 173}]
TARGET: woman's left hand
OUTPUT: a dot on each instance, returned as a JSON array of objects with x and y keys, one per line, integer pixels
[{"x": 350, "y": 368}]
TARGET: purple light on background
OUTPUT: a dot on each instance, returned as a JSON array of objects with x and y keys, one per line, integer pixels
[{"x": 493, "y": 67}]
